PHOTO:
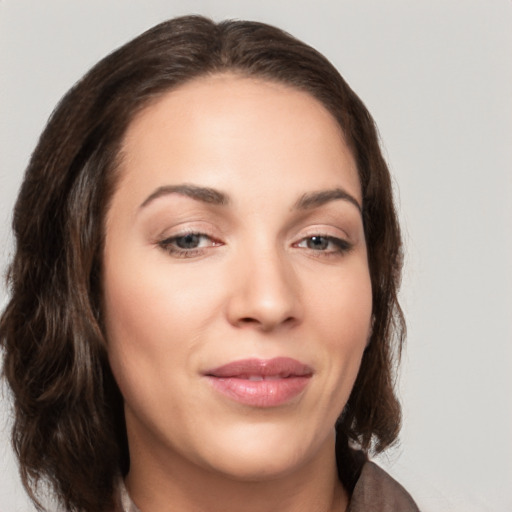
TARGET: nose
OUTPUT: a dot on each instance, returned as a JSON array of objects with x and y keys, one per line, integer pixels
[{"x": 265, "y": 292}]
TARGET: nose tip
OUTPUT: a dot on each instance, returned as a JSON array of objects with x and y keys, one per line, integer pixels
[
  {"x": 265, "y": 296},
  {"x": 266, "y": 318}
]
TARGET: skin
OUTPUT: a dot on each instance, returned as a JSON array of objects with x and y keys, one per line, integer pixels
[{"x": 257, "y": 284}]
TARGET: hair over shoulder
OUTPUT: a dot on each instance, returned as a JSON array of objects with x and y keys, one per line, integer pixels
[{"x": 68, "y": 429}]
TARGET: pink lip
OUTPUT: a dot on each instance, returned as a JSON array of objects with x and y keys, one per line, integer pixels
[{"x": 261, "y": 382}]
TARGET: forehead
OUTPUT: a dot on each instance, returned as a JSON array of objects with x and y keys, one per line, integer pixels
[{"x": 227, "y": 127}]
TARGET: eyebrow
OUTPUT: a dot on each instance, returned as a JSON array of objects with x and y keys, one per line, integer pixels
[
  {"x": 209, "y": 195},
  {"x": 315, "y": 199},
  {"x": 204, "y": 194}
]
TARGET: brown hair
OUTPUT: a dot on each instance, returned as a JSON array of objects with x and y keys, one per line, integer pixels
[{"x": 69, "y": 426}]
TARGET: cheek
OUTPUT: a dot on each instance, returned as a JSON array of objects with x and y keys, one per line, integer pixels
[
  {"x": 150, "y": 326},
  {"x": 343, "y": 319},
  {"x": 344, "y": 305},
  {"x": 154, "y": 317}
]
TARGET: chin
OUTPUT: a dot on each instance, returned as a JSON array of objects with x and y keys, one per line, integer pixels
[
  {"x": 259, "y": 454},
  {"x": 247, "y": 467}
]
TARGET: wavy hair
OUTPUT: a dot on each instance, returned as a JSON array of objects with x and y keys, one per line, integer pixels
[{"x": 68, "y": 429}]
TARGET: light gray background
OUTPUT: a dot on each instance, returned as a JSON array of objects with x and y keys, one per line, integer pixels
[{"x": 437, "y": 76}]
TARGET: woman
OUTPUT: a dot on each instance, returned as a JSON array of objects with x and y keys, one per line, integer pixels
[{"x": 203, "y": 309}]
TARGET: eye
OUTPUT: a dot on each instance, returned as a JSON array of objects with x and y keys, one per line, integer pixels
[
  {"x": 190, "y": 240},
  {"x": 187, "y": 245},
  {"x": 326, "y": 244}
]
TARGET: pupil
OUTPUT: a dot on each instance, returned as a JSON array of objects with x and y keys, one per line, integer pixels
[
  {"x": 318, "y": 242},
  {"x": 188, "y": 241}
]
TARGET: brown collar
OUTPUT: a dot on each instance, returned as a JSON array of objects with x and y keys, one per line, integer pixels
[{"x": 376, "y": 491}]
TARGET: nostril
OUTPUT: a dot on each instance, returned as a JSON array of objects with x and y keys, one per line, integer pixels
[
  {"x": 248, "y": 320},
  {"x": 267, "y": 324}
]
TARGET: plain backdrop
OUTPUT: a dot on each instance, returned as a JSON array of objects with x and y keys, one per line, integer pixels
[{"x": 437, "y": 76}]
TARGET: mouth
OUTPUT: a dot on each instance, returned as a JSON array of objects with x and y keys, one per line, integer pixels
[{"x": 261, "y": 382}]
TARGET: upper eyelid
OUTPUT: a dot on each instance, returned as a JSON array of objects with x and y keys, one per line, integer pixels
[
  {"x": 324, "y": 230},
  {"x": 187, "y": 228},
  {"x": 295, "y": 230},
  {"x": 172, "y": 237},
  {"x": 186, "y": 233}
]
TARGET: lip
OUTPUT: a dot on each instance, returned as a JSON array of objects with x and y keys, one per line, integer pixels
[{"x": 261, "y": 382}]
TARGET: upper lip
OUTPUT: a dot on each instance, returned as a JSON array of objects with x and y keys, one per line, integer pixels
[{"x": 278, "y": 367}]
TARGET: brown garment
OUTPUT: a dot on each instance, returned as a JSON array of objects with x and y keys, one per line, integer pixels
[{"x": 375, "y": 491}]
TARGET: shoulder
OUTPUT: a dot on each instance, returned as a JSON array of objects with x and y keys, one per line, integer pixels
[{"x": 376, "y": 491}]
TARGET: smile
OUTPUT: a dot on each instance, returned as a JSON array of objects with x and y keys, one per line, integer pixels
[{"x": 261, "y": 383}]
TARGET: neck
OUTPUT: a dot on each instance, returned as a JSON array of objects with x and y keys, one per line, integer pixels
[{"x": 176, "y": 484}]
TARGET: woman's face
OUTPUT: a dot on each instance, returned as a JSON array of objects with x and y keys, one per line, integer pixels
[{"x": 237, "y": 290}]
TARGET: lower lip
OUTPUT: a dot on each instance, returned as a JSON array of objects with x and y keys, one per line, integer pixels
[{"x": 260, "y": 393}]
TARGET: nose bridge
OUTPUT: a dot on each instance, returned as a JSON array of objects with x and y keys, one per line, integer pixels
[{"x": 267, "y": 291}]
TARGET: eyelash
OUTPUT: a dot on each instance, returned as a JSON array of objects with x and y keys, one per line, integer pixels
[
  {"x": 169, "y": 245},
  {"x": 341, "y": 246}
]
